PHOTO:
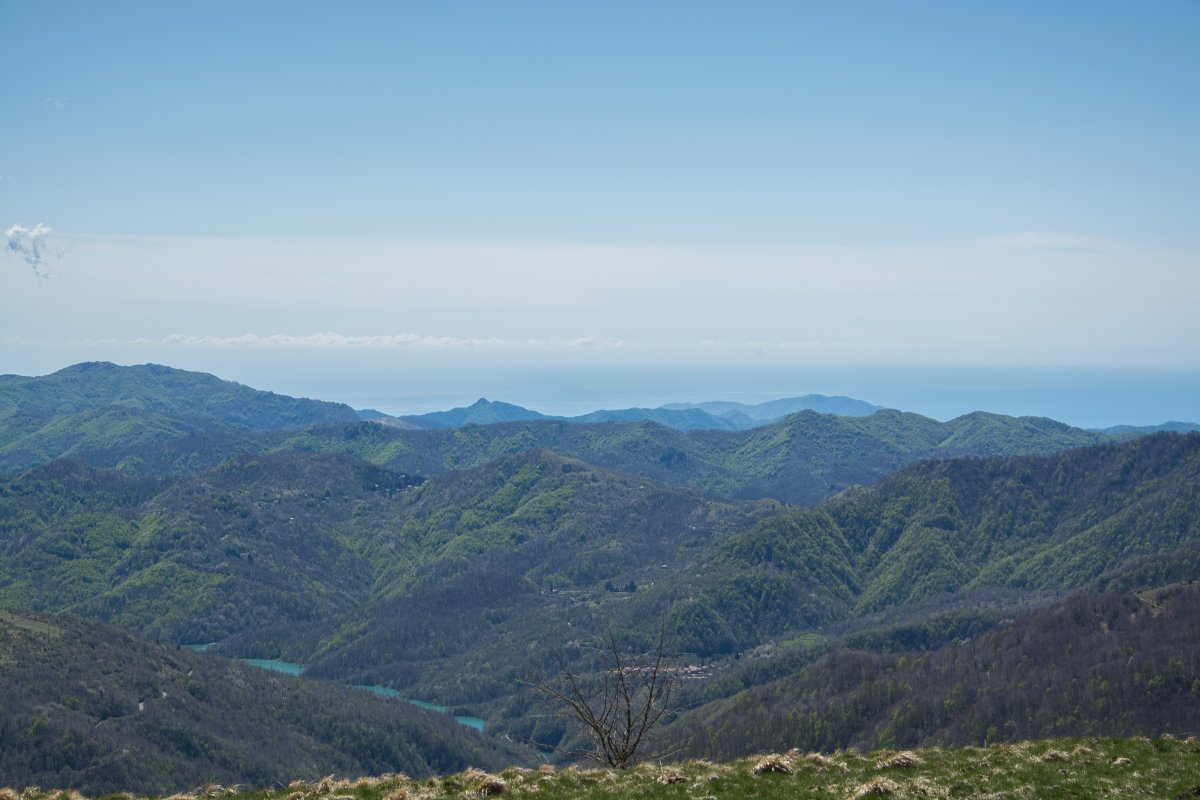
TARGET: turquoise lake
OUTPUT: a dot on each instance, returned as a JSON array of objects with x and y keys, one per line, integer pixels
[{"x": 289, "y": 668}]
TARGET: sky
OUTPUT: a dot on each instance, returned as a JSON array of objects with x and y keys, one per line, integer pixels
[{"x": 568, "y": 205}]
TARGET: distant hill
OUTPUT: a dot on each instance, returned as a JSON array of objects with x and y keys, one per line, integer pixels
[
  {"x": 157, "y": 420},
  {"x": 163, "y": 390},
  {"x": 91, "y": 707},
  {"x": 685, "y": 419},
  {"x": 775, "y": 409},
  {"x": 802, "y": 458},
  {"x": 481, "y": 412},
  {"x": 721, "y": 416},
  {"x": 1176, "y": 427},
  {"x": 143, "y": 419}
]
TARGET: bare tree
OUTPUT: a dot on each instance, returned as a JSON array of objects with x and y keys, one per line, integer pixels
[{"x": 618, "y": 707}]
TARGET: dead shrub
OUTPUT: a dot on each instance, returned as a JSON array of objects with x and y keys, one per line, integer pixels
[{"x": 1053, "y": 755}]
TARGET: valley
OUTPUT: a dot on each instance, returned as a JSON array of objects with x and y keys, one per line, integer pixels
[{"x": 830, "y": 582}]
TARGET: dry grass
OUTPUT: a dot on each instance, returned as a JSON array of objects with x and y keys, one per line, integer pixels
[
  {"x": 492, "y": 784},
  {"x": 901, "y": 760},
  {"x": 772, "y": 763},
  {"x": 877, "y": 787},
  {"x": 1091, "y": 767},
  {"x": 670, "y": 775},
  {"x": 924, "y": 788}
]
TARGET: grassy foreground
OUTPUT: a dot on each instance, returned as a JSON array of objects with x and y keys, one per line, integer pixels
[{"x": 1058, "y": 768}]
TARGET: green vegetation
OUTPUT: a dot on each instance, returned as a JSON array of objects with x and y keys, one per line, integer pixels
[
  {"x": 91, "y": 707},
  {"x": 369, "y": 577},
  {"x": 1110, "y": 664},
  {"x": 164, "y": 390},
  {"x": 1059, "y": 768},
  {"x": 155, "y": 420},
  {"x": 955, "y": 601}
]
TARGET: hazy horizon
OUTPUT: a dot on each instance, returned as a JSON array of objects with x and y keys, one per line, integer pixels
[
  {"x": 1090, "y": 398},
  {"x": 410, "y": 205}
]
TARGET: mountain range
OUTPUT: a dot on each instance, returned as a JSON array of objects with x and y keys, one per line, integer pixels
[
  {"x": 902, "y": 562},
  {"x": 715, "y": 415}
]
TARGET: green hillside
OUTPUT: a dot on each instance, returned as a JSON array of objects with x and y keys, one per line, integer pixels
[
  {"x": 803, "y": 458},
  {"x": 1117, "y": 664},
  {"x": 157, "y": 420},
  {"x": 174, "y": 392},
  {"x": 1076, "y": 769},
  {"x": 456, "y": 588},
  {"x": 92, "y": 707},
  {"x": 257, "y": 542}
]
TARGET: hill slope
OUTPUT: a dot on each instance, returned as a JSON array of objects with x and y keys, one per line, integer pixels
[
  {"x": 803, "y": 458},
  {"x": 1112, "y": 665},
  {"x": 92, "y": 707},
  {"x": 174, "y": 392}
]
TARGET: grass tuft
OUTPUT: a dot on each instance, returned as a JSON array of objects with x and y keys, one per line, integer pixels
[
  {"x": 772, "y": 763},
  {"x": 901, "y": 760},
  {"x": 669, "y": 775},
  {"x": 877, "y": 787}
]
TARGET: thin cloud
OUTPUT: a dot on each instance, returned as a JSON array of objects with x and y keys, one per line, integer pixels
[
  {"x": 329, "y": 339},
  {"x": 1049, "y": 240}
]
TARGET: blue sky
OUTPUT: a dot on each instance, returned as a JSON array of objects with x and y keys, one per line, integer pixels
[{"x": 267, "y": 189}]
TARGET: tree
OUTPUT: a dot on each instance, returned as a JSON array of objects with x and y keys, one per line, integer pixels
[{"x": 618, "y": 707}]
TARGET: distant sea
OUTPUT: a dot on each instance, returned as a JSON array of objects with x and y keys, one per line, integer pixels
[{"x": 1091, "y": 398}]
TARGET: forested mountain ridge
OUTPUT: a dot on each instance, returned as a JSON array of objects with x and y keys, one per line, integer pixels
[
  {"x": 1114, "y": 664},
  {"x": 260, "y": 540},
  {"x": 802, "y": 458},
  {"x": 268, "y": 544},
  {"x": 1009, "y": 531},
  {"x": 449, "y": 564},
  {"x": 157, "y": 420},
  {"x": 165, "y": 390},
  {"x": 720, "y": 416},
  {"x": 275, "y": 542},
  {"x": 89, "y": 706}
]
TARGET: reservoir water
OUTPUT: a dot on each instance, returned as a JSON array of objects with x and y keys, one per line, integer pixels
[{"x": 289, "y": 668}]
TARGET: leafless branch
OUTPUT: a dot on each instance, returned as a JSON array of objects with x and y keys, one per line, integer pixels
[{"x": 633, "y": 693}]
